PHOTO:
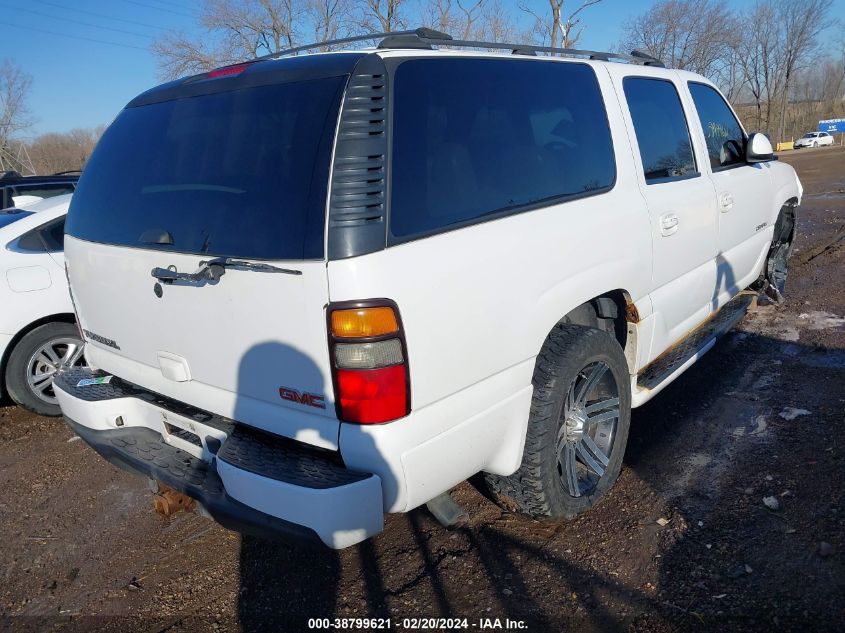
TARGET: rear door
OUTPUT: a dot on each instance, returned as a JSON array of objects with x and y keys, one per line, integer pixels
[{"x": 240, "y": 174}]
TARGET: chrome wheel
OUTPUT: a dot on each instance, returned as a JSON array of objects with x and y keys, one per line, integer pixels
[
  {"x": 53, "y": 356},
  {"x": 588, "y": 428}
]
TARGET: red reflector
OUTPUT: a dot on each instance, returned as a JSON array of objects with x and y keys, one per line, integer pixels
[
  {"x": 227, "y": 71},
  {"x": 371, "y": 396}
]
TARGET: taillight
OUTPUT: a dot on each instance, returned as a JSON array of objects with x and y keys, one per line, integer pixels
[{"x": 370, "y": 362}]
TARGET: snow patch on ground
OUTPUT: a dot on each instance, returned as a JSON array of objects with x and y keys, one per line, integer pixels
[
  {"x": 821, "y": 320},
  {"x": 790, "y": 413},
  {"x": 786, "y": 326}
]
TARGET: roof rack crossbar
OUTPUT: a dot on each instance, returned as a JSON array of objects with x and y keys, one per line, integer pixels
[{"x": 429, "y": 37}]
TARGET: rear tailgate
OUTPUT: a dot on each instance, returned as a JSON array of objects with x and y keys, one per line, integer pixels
[
  {"x": 251, "y": 347},
  {"x": 231, "y": 168}
]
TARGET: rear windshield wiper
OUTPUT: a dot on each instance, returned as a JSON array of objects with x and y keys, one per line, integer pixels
[{"x": 214, "y": 269}]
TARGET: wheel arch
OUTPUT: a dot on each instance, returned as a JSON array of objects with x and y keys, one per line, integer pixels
[
  {"x": 786, "y": 221},
  {"x": 61, "y": 317},
  {"x": 613, "y": 311}
]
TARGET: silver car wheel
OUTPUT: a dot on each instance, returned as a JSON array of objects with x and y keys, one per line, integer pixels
[
  {"x": 53, "y": 356},
  {"x": 588, "y": 428}
]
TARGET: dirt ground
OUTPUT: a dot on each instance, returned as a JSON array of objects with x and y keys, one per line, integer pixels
[{"x": 762, "y": 415}]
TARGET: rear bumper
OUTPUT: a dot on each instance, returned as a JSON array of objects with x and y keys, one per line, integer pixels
[{"x": 247, "y": 480}]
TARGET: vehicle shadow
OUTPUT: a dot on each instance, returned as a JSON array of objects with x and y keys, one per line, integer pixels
[
  {"x": 729, "y": 561},
  {"x": 283, "y": 585},
  {"x": 689, "y": 451}
]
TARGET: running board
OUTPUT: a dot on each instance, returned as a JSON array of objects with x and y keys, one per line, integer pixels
[{"x": 699, "y": 340}]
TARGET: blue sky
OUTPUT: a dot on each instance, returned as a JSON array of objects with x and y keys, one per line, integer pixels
[{"x": 88, "y": 58}]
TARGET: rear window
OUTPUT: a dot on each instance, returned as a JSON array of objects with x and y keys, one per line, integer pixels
[
  {"x": 241, "y": 173},
  {"x": 474, "y": 138}
]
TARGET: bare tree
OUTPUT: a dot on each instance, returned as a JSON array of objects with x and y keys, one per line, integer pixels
[
  {"x": 780, "y": 42},
  {"x": 234, "y": 30},
  {"x": 563, "y": 28},
  {"x": 690, "y": 34},
  {"x": 497, "y": 24},
  {"x": 471, "y": 11},
  {"x": 330, "y": 18},
  {"x": 759, "y": 54},
  {"x": 456, "y": 17},
  {"x": 15, "y": 118},
  {"x": 801, "y": 22},
  {"x": 440, "y": 15},
  {"x": 55, "y": 152},
  {"x": 381, "y": 15}
]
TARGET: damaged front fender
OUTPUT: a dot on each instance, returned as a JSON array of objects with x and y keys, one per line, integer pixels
[{"x": 776, "y": 269}]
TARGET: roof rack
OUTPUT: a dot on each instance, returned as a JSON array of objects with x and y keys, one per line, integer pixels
[{"x": 425, "y": 38}]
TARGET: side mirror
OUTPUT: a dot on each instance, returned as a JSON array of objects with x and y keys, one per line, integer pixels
[{"x": 758, "y": 149}]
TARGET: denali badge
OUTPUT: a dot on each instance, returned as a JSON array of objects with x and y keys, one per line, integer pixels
[
  {"x": 102, "y": 340},
  {"x": 311, "y": 399}
]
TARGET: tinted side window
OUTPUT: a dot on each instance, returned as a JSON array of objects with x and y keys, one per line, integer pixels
[
  {"x": 723, "y": 133},
  {"x": 43, "y": 191},
  {"x": 47, "y": 238},
  {"x": 53, "y": 235},
  {"x": 477, "y": 137},
  {"x": 31, "y": 242},
  {"x": 661, "y": 128}
]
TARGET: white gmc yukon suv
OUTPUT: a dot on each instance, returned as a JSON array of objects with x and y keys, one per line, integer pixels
[{"x": 315, "y": 289}]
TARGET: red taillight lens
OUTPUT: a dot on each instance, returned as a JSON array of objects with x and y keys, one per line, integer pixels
[
  {"x": 370, "y": 396},
  {"x": 227, "y": 71},
  {"x": 370, "y": 361}
]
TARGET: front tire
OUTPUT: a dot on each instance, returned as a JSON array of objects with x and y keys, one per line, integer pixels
[
  {"x": 34, "y": 362},
  {"x": 577, "y": 429}
]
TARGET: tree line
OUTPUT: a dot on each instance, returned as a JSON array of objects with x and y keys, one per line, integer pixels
[{"x": 768, "y": 59}]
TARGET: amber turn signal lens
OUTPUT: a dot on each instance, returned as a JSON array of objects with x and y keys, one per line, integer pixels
[{"x": 364, "y": 322}]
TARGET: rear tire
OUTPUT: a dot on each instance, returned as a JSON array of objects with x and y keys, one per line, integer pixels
[
  {"x": 34, "y": 362},
  {"x": 577, "y": 429}
]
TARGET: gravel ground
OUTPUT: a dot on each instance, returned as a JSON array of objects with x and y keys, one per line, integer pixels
[{"x": 685, "y": 541}]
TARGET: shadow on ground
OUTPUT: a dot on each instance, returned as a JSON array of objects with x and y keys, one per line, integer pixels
[{"x": 702, "y": 456}]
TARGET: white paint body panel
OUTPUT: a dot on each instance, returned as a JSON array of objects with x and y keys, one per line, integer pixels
[
  {"x": 33, "y": 286},
  {"x": 239, "y": 340}
]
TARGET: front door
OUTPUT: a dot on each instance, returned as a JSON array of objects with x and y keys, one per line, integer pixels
[{"x": 743, "y": 194}]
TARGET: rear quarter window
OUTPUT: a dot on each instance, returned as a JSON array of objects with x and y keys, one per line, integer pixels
[{"x": 477, "y": 138}]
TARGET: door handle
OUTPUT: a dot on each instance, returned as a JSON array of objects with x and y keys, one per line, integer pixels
[
  {"x": 668, "y": 224},
  {"x": 726, "y": 201}
]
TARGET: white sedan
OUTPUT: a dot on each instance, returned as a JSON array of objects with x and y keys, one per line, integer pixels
[
  {"x": 38, "y": 333},
  {"x": 814, "y": 139}
]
